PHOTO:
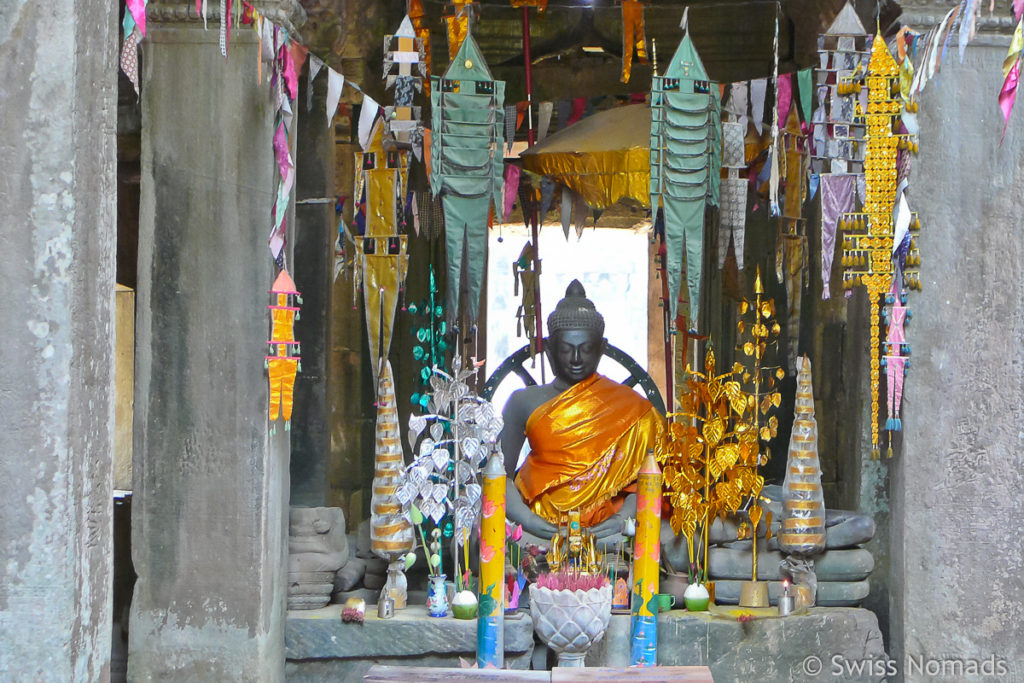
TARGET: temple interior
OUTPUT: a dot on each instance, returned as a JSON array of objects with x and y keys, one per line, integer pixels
[{"x": 577, "y": 339}]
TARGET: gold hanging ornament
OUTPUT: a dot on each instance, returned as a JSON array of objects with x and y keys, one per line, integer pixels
[{"x": 868, "y": 239}]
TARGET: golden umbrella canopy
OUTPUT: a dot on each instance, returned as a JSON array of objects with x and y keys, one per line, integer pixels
[{"x": 603, "y": 157}]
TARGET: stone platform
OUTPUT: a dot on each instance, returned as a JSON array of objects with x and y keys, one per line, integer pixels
[
  {"x": 767, "y": 648},
  {"x": 319, "y": 647}
]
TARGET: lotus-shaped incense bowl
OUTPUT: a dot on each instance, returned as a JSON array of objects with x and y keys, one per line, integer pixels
[{"x": 570, "y": 621}]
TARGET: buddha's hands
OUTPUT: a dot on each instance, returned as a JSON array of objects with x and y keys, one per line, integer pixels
[
  {"x": 518, "y": 512},
  {"x": 614, "y": 524}
]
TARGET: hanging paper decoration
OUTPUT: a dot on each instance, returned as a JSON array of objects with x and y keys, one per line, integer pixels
[
  {"x": 466, "y": 165},
  {"x": 391, "y": 533},
  {"x": 869, "y": 234},
  {"x": 843, "y": 51},
  {"x": 686, "y": 139},
  {"x": 403, "y": 51},
  {"x": 283, "y": 361},
  {"x": 524, "y": 274},
  {"x": 837, "y": 153},
  {"x": 733, "y": 217},
  {"x": 419, "y": 25},
  {"x": 632, "y": 36},
  {"x": 381, "y": 252}
]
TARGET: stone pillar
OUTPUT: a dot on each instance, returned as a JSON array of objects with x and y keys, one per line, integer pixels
[
  {"x": 956, "y": 486},
  {"x": 316, "y": 231},
  {"x": 57, "y": 186},
  {"x": 210, "y": 512}
]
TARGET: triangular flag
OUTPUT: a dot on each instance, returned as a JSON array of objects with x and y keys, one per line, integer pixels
[
  {"x": 805, "y": 83},
  {"x": 758, "y": 90},
  {"x": 315, "y": 64},
  {"x": 784, "y": 95},
  {"x": 335, "y": 82},
  {"x": 544, "y": 118},
  {"x": 566, "y": 211},
  {"x": 138, "y": 10},
  {"x": 1009, "y": 93},
  {"x": 366, "y": 118}
]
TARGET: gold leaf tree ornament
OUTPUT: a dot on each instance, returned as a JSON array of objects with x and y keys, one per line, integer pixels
[
  {"x": 709, "y": 458},
  {"x": 758, "y": 332}
]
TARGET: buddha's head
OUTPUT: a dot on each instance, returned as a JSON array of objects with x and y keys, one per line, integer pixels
[{"x": 575, "y": 336}]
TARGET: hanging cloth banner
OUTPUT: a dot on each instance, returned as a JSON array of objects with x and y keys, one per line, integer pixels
[
  {"x": 733, "y": 214},
  {"x": 467, "y": 165},
  {"x": 632, "y": 36},
  {"x": 794, "y": 246},
  {"x": 381, "y": 252},
  {"x": 837, "y": 198},
  {"x": 686, "y": 143},
  {"x": 458, "y": 26}
]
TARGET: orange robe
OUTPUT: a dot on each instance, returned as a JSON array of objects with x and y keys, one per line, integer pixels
[{"x": 587, "y": 445}]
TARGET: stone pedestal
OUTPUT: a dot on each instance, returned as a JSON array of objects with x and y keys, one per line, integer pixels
[
  {"x": 320, "y": 647},
  {"x": 57, "y": 187},
  {"x": 765, "y": 649},
  {"x": 210, "y": 476}
]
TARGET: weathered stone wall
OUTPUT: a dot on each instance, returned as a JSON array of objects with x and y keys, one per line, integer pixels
[
  {"x": 211, "y": 479},
  {"x": 57, "y": 180},
  {"x": 956, "y": 487}
]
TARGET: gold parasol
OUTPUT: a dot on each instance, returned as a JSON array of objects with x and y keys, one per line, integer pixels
[{"x": 603, "y": 157}]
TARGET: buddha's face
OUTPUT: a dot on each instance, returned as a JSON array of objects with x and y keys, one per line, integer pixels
[{"x": 574, "y": 354}]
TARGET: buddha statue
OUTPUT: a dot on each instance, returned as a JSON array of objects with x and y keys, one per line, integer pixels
[{"x": 588, "y": 434}]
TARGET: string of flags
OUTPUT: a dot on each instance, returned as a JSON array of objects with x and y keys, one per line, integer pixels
[{"x": 820, "y": 128}]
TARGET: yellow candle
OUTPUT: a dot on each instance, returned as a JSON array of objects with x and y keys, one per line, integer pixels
[
  {"x": 491, "y": 616},
  {"x": 647, "y": 556}
]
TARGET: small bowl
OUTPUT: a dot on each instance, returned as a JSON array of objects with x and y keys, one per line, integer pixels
[
  {"x": 464, "y": 606},
  {"x": 464, "y": 611}
]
